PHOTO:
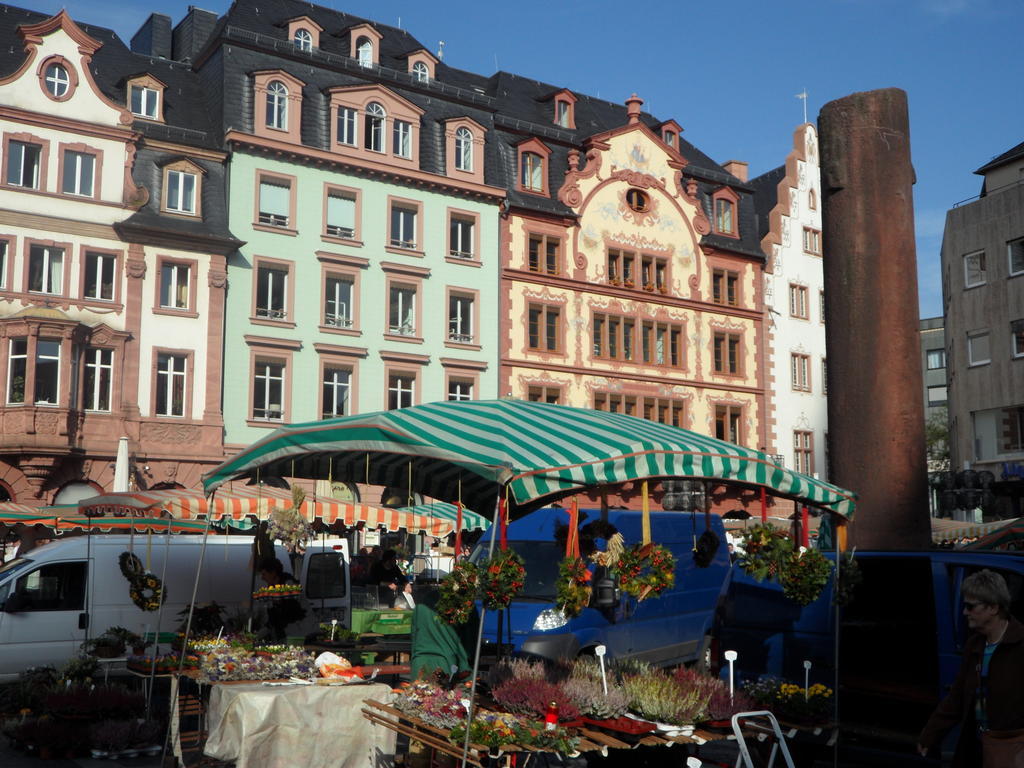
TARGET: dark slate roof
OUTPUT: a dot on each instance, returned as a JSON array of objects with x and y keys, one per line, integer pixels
[
  {"x": 1006, "y": 157},
  {"x": 766, "y": 196}
]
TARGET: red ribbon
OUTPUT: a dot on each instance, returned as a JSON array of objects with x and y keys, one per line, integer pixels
[
  {"x": 805, "y": 538},
  {"x": 572, "y": 539}
]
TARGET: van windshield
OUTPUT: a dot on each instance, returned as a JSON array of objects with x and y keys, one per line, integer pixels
[{"x": 541, "y": 559}]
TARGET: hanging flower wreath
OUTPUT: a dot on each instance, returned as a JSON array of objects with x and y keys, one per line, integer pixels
[
  {"x": 457, "y": 592},
  {"x": 501, "y": 579},
  {"x": 148, "y": 592},
  {"x": 848, "y": 578},
  {"x": 646, "y": 570},
  {"x": 288, "y": 524},
  {"x": 765, "y": 552},
  {"x": 572, "y": 594},
  {"x": 805, "y": 575},
  {"x": 130, "y": 565}
]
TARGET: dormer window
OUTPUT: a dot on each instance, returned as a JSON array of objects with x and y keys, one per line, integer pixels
[
  {"x": 532, "y": 171},
  {"x": 303, "y": 40},
  {"x": 375, "y": 123},
  {"x": 374, "y": 127},
  {"x": 277, "y": 105},
  {"x": 671, "y": 139},
  {"x": 420, "y": 72},
  {"x": 564, "y": 108},
  {"x": 145, "y": 102},
  {"x": 562, "y": 113},
  {"x": 422, "y": 65},
  {"x": 725, "y": 204},
  {"x": 364, "y": 44},
  {"x": 464, "y": 150},
  {"x": 364, "y": 52}
]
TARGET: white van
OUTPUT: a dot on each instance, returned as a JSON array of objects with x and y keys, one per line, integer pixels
[{"x": 72, "y": 589}]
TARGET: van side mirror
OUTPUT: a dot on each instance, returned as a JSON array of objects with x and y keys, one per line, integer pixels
[{"x": 605, "y": 592}]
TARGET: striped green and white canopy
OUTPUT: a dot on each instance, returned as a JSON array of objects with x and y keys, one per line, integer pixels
[{"x": 470, "y": 450}]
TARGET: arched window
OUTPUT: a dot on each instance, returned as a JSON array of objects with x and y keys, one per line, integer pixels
[
  {"x": 812, "y": 199},
  {"x": 532, "y": 171},
  {"x": 57, "y": 80},
  {"x": 420, "y": 72},
  {"x": 303, "y": 40},
  {"x": 374, "y": 130},
  {"x": 364, "y": 52},
  {"x": 277, "y": 105},
  {"x": 464, "y": 149}
]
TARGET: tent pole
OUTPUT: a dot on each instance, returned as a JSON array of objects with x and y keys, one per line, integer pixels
[
  {"x": 479, "y": 642},
  {"x": 835, "y": 681}
]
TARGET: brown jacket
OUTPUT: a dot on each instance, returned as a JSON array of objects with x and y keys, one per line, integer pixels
[{"x": 1005, "y": 708}]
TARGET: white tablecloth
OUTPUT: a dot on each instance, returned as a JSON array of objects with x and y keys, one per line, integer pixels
[{"x": 304, "y": 726}]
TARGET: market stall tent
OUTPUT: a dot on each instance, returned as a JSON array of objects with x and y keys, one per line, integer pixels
[{"x": 469, "y": 451}]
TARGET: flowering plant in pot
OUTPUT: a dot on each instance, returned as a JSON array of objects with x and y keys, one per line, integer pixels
[{"x": 432, "y": 704}]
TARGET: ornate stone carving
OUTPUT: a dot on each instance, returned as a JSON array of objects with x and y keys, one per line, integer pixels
[
  {"x": 217, "y": 278},
  {"x": 637, "y": 178},
  {"x": 47, "y": 423},
  {"x": 177, "y": 434},
  {"x": 569, "y": 193},
  {"x": 135, "y": 268}
]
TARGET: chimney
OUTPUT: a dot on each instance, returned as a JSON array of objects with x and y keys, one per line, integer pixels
[
  {"x": 192, "y": 33},
  {"x": 154, "y": 37},
  {"x": 633, "y": 104},
  {"x": 738, "y": 168}
]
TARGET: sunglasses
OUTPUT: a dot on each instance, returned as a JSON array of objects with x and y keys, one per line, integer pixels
[{"x": 970, "y": 606}]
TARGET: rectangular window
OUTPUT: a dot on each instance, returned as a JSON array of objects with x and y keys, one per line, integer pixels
[
  {"x": 937, "y": 396},
  {"x": 275, "y": 203},
  {"x": 974, "y": 269},
  {"x": 181, "y": 192},
  {"x": 338, "y": 302},
  {"x": 460, "y": 389},
  {"x": 727, "y": 353},
  {"x": 824, "y": 376},
  {"x": 23, "y": 163},
  {"x": 544, "y": 327},
  {"x": 3, "y": 265},
  {"x": 532, "y": 171},
  {"x": 1010, "y": 423},
  {"x": 337, "y": 385},
  {"x": 402, "y": 310},
  {"x": 99, "y": 275},
  {"x": 341, "y": 215},
  {"x": 271, "y": 293},
  {"x": 803, "y": 452},
  {"x": 145, "y": 102},
  {"x": 978, "y": 349},
  {"x": 544, "y": 254},
  {"x": 723, "y": 216},
  {"x": 174, "y": 285},
  {"x": 403, "y": 227},
  {"x": 99, "y": 370},
  {"x": 544, "y": 394},
  {"x": 800, "y": 372},
  {"x": 79, "y": 169},
  {"x": 170, "y": 384},
  {"x": 46, "y": 269},
  {"x": 812, "y": 241},
  {"x": 17, "y": 368},
  {"x": 460, "y": 318},
  {"x": 401, "y": 390},
  {"x": 798, "y": 301},
  {"x": 402, "y": 139},
  {"x": 728, "y": 423},
  {"x": 1017, "y": 337},
  {"x": 460, "y": 237},
  {"x": 1015, "y": 252},
  {"x": 725, "y": 287},
  {"x": 47, "y": 372},
  {"x": 936, "y": 359},
  {"x": 821, "y": 306},
  {"x": 268, "y": 390},
  {"x": 347, "y": 126}
]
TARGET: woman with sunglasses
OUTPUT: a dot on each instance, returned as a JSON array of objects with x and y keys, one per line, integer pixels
[{"x": 987, "y": 698}]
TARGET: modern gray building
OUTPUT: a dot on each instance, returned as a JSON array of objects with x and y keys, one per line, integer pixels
[{"x": 983, "y": 288}]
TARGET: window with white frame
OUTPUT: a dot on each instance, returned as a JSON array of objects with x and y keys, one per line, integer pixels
[
  {"x": 563, "y": 113},
  {"x": 373, "y": 131},
  {"x": 402, "y": 138},
  {"x": 402, "y": 310},
  {"x": 174, "y": 285},
  {"x": 271, "y": 292},
  {"x": 23, "y": 164},
  {"x": 364, "y": 52},
  {"x": 824, "y": 376},
  {"x": 1015, "y": 253},
  {"x": 144, "y": 101},
  {"x": 974, "y": 269},
  {"x": 303, "y": 40},
  {"x": 800, "y": 372},
  {"x": 171, "y": 372},
  {"x": 47, "y": 372},
  {"x": 45, "y": 269},
  {"x": 798, "y": 301},
  {"x": 99, "y": 373},
  {"x": 978, "y": 352},
  {"x": 669, "y": 137},
  {"x": 803, "y": 453},
  {"x": 341, "y": 214},
  {"x": 1017, "y": 337},
  {"x": 460, "y": 389},
  {"x": 275, "y": 202},
  {"x": 268, "y": 390},
  {"x": 460, "y": 318},
  {"x": 336, "y": 387},
  {"x": 403, "y": 226},
  {"x": 3, "y": 265},
  {"x": 812, "y": 240},
  {"x": 347, "y": 122},
  {"x": 57, "y": 79},
  {"x": 460, "y": 237},
  {"x": 79, "y": 173},
  {"x": 338, "y": 292},
  {"x": 532, "y": 171},
  {"x": 420, "y": 72},
  {"x": 464, "y": 149},
  {"x": 276, "y": 115},
  {"x": 401, "y": 390},
  {"x": 181, "y": 192},
  {"x": 724, "y": 218},
  {"x": 17, "y": 370},
  {"x": 935, "y": 359},
  {"x": 100, "y": 269}
]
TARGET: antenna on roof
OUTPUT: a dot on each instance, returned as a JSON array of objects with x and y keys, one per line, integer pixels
[
  {"x": 440, "y": 50},
  {"x": 399, "y": 22},
  {"x": 496, "y": 67},
  {"x": 803, "y": 95}
]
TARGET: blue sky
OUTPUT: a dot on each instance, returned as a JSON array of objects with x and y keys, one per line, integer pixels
[{"x": 729, "y": 72}]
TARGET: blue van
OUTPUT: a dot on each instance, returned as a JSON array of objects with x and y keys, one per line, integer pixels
[{"x": 670, "y": 629}]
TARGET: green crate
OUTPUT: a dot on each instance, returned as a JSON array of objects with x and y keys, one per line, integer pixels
[
  {"x": 393, "y": 623},
  {"x": 363, "y": 619}
]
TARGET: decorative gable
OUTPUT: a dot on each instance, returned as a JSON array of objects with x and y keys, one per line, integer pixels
[
  {"x": 364, "y": 44},
  {"x": 302, "y": 30},
  {"x": 422, "y": 65}
]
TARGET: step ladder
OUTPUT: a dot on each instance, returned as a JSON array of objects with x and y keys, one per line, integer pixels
[{"x": 764, "y": 724}]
